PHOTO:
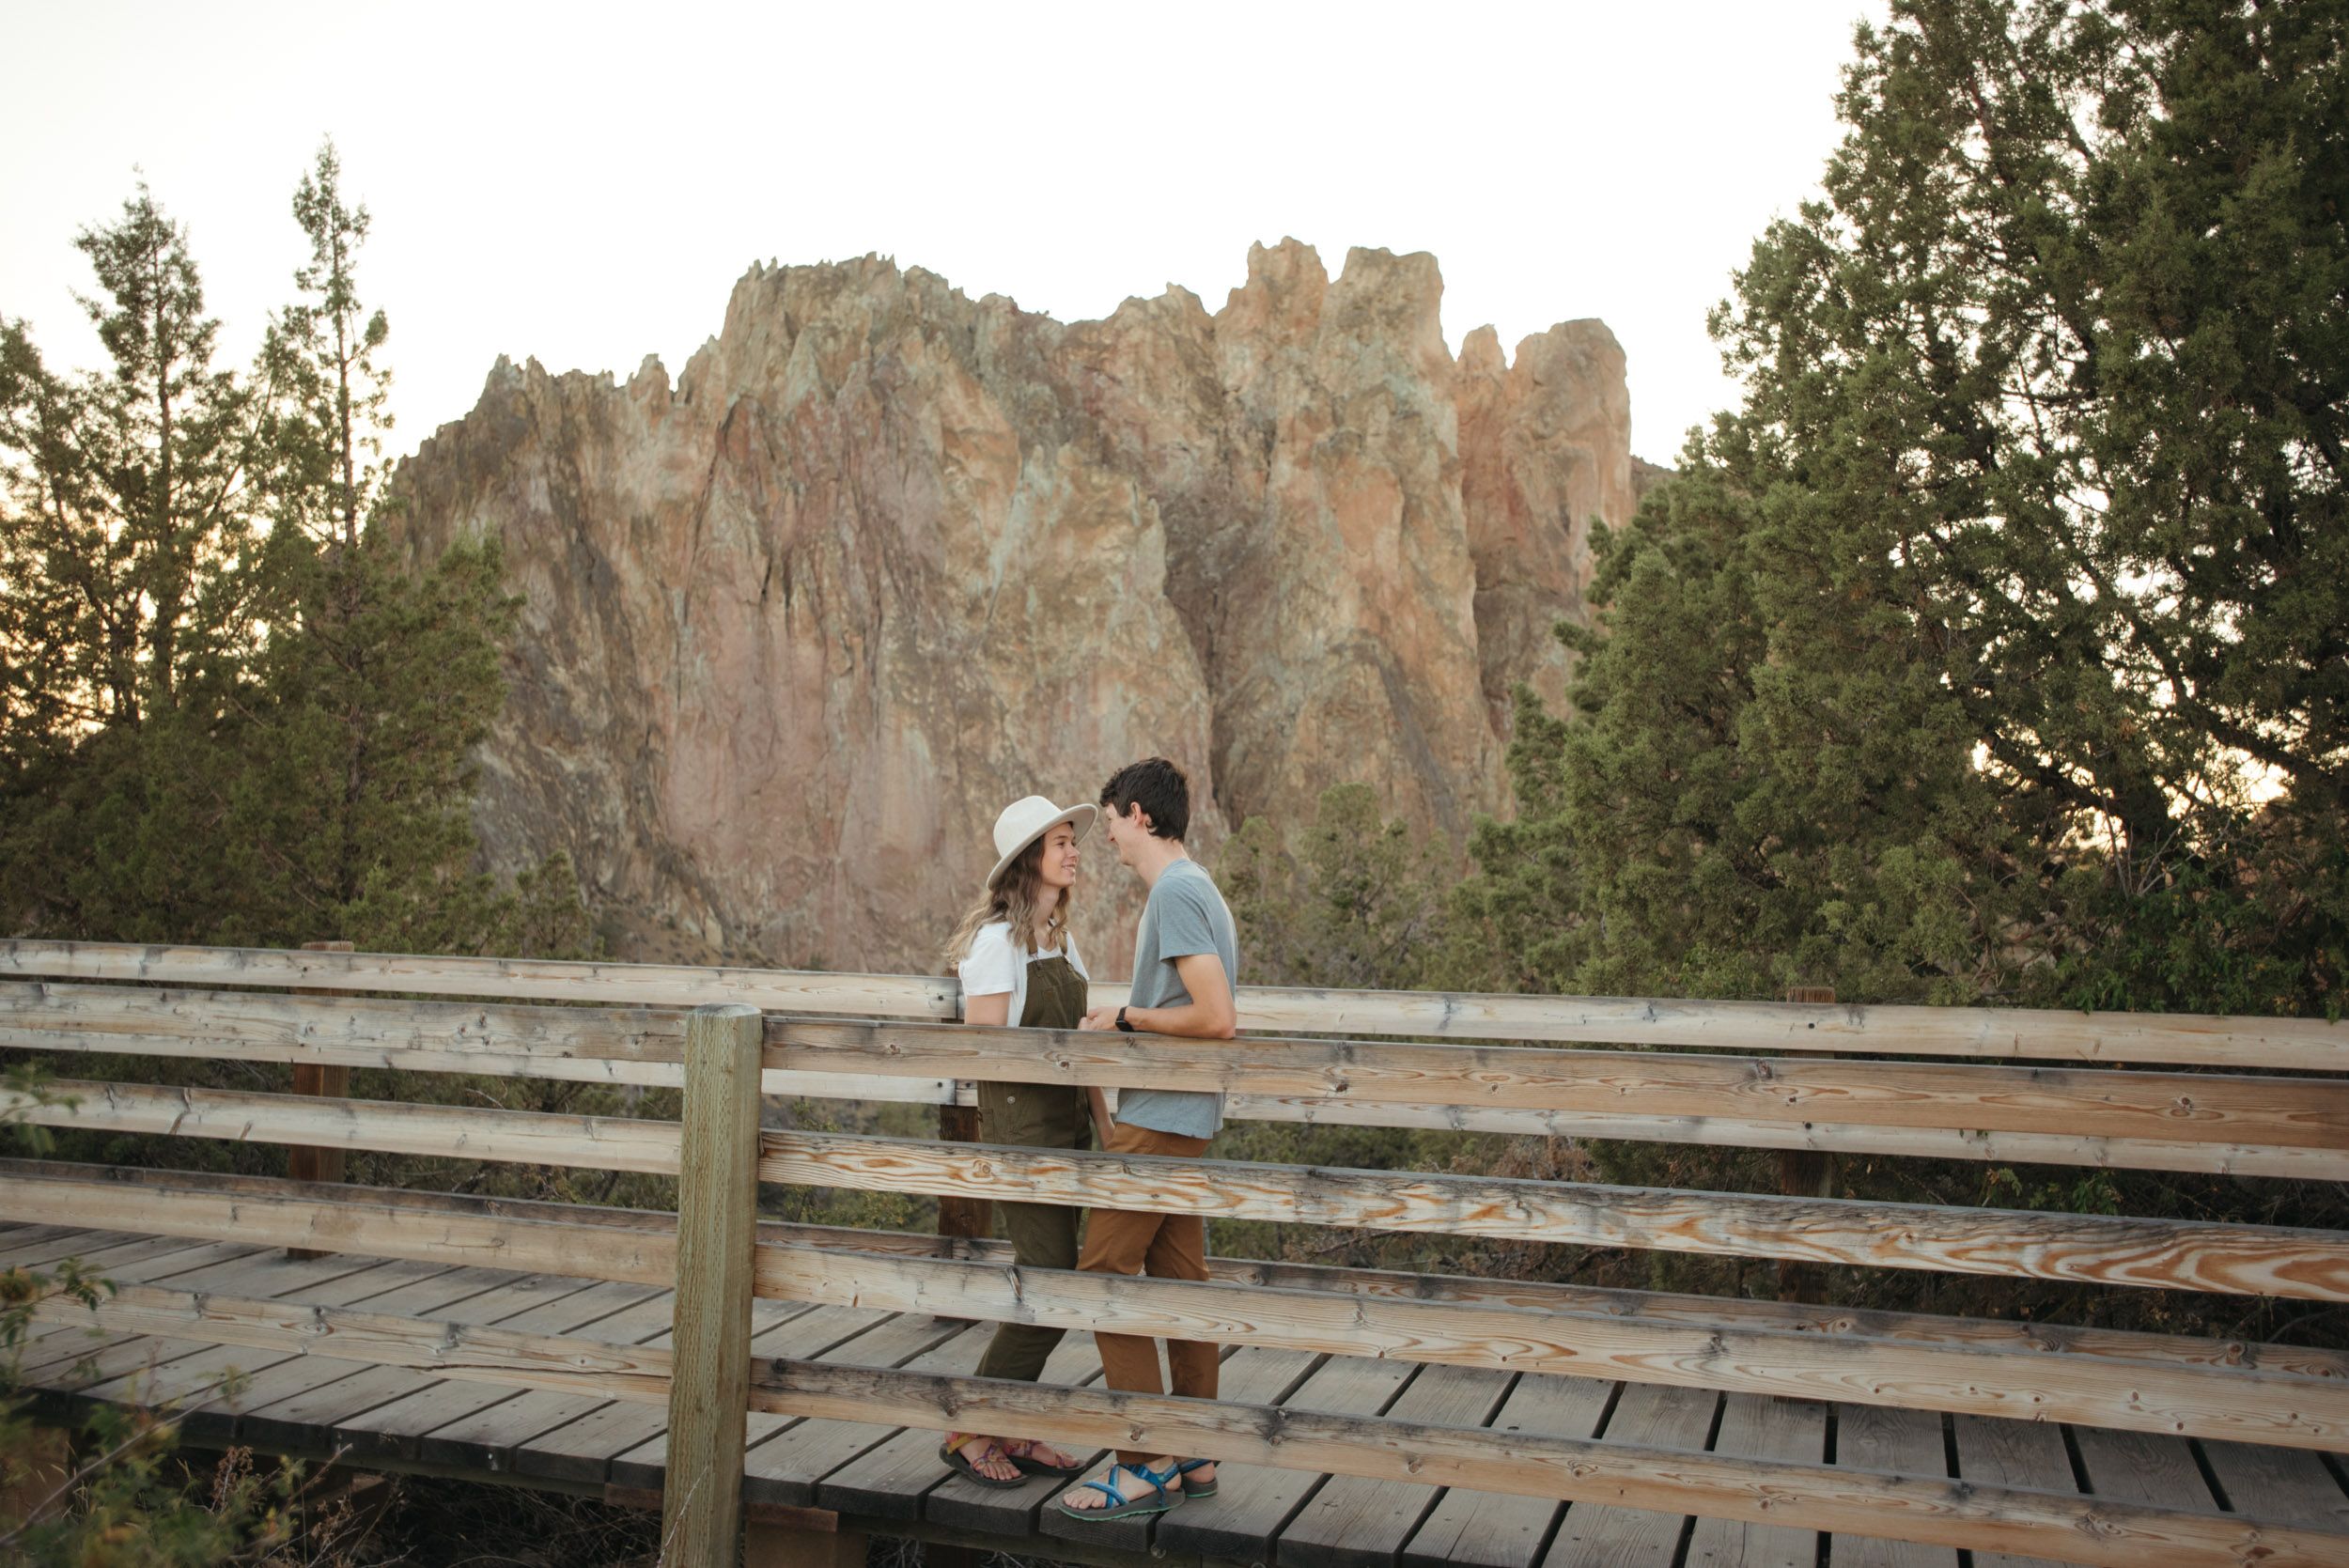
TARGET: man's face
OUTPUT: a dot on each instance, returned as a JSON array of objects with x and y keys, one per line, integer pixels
[{"x": 1126, "y": 831}]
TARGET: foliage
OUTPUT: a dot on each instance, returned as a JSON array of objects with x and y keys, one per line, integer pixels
[
  {"x": 233, "y": 716},
  {"x": 120, "y": 1497},
  {"x": 1355, "y": 903},
  {"x": 1996, "y": 648}
]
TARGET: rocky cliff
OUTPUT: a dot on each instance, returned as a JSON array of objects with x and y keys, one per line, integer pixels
[{"x": 883, "y": 558}]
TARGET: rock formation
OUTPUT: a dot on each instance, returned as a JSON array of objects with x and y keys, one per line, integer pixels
[{"x": 884, "y": 558}]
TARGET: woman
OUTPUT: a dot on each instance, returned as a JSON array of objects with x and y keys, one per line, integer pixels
[{"x": 1020, "y": 966}]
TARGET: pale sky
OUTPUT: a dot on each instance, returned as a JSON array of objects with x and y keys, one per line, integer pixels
[{"x": 584, "y": 183}]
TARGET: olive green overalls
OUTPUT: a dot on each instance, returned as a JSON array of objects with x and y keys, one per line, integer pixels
[{"x": 1038, "y": 1117}]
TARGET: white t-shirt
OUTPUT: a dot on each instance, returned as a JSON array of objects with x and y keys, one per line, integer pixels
[{"x": 997, "y": 965}]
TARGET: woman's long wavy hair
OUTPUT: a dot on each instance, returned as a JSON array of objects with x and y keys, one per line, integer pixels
[{"x": 1016, "y": 896}]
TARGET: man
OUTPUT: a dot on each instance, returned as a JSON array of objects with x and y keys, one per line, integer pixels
[{"x": 1186, "y": 963}]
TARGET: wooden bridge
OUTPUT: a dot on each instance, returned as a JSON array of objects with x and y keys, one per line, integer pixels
[{"x": 794, "y": 1378}]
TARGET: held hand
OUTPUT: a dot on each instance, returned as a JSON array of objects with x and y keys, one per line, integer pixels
[{"x": 1100, "y": 1018}]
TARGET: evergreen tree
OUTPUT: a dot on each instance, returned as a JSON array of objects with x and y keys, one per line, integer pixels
[{"x": 1998, "y": 645}]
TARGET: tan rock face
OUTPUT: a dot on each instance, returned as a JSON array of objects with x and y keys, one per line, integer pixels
[{"x": 885, "y": 558}]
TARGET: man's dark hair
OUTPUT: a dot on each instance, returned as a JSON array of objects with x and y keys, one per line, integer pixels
[{"x": 1159, "y": 788}]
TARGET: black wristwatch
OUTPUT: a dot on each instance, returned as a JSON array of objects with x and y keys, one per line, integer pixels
[{"x": 1122, "y": 1024}]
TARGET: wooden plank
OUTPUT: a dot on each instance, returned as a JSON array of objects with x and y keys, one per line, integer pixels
[
  {"x": 895, "y": 1479},
  {"x": 538, "y": 1304},
  {"x": 1255, "y": 1500},
  {"x": 1923, "y": 1509},
  {"x": 1355, "y": 1522},
  {"x": 2288, "y": 1044},
  {"x": 1493, "y": 1529},
  {"x": 645, "y": 1466},
  {"x": 2210, "y": 1397},
  {"x": 2162, "y": 1372},
  {"x": 1977, "y": 1144},
  {"x": 2160, "y": 1253},
  {"x": 177, "y": 1369},
  {"x": 2210, "y": 1388},
  {"x": 1752, "y": 1427},
  {"x": 643, "y": 1046},
  {"x": 2301, "y": 1264},
  {"x": 152, "y": 1195},
  {"x": 622, "y": 1429},
  {"x": 2013, "y": 1453},
  {"x": 829, "y": 1447},
  {"x": 552, "y": 980},
  {"x": 701, "y": 1507},
  {"x": 487, "y": 1439},
  {"x": 1471, "y": 1090},
  {"x": 960, "y": 1504},
  {"x": 1609, "y": 1536},
  {"x": 1908, "y": 1441},
  {"x": 2139, "y": 1467},
  {"x": 2276, "y": 1485},
  {"x": 62, "y": 1339},
  {"x": 787, "y": 1467},
  {"x": 2071, "y": 1102}
]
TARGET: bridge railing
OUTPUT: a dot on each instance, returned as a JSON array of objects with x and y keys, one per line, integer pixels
[{"x": 2105, "y": 1092}]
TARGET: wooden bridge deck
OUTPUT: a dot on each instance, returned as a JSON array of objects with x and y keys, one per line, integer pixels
[{"x": 888, "y": 1479}]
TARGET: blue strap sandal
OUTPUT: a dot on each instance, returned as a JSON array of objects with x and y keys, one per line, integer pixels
[
  {"x": 1164, "y": 1494},
  {"x": 1192, "y": 1488}
]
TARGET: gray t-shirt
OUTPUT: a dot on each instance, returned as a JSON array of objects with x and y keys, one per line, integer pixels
[{"x": 1185, "y": 915}]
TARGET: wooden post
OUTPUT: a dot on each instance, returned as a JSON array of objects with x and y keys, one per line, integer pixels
[
  {"x": 770, "y": 1544},
  {"x": 305, "y": 1163},
  {"x": 962, "y": 1220},
  {"x": 1804, "y": 1174},
  {"x": 701, "y": 1513}
]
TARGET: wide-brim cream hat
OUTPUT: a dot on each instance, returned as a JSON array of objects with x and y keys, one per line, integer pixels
[{"x": 1025, "y": 821}]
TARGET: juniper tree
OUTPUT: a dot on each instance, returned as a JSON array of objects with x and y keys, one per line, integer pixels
[{"x": 2000, "y": 644}]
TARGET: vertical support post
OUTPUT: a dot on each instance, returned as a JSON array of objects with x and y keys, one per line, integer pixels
[
  {"x": 701, "y": 1510},
  {"x": 1804, "y": 1174},
  {"x": 962, "y": 1220},
  {"x": 303, "y": 1162}
]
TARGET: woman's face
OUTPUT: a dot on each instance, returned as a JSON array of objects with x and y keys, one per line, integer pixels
[{"x": 1058, "y": 869}]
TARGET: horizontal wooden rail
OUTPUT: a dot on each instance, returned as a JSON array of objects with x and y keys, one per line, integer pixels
[
  {"x": 1932, "y": 1509},
  {"x": 640, "y": 1047},
  {"x": 2171, "y": 1254},
  {"x": 2156, "y": 1253},
  {"x": 1849, "y": 1501},
  {"x": 2231, "y": 1123},
  {"x": 2102, "y": 1103},
  {"x": 2144, "y": 1382},
  {"x": 1978, "y": 1033},
  {"x": 115, "y": 1196}
]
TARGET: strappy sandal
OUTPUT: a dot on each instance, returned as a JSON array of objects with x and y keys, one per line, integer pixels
[
  {"x": 1021, "y": 1452},
  {"x": 1120, "y": 1506},
  {"x": 960, "y": 1463},
  {"x": 1194, "y": 1490}
]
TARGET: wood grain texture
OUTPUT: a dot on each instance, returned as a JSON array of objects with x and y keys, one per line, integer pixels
[
  {"x": 701, "y": 1513},
  {"x": 1986, "y": 1033},
  {"x": 637, "y": 1245},
  {"x": 1877, "y": 1439},
  {"x": 2070, "y": 1101},
  {"x": 2157, "y": 1253},
  {"x": 1612, "y": 1535},
  {"x": 1924, "y": 1509},
  {"x": 537, "y": 979},
  {"x": 1494, "y": 1530},
  {"x": 1752, "y": 1427}
]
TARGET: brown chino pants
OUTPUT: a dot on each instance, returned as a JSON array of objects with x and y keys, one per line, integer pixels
[{"x": 1165, "y": 1246}]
